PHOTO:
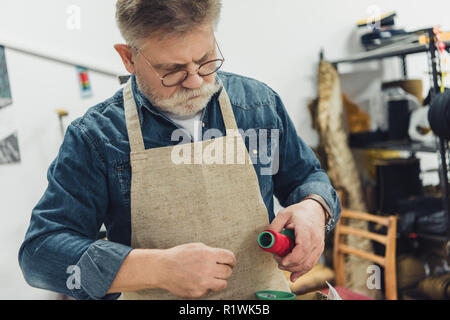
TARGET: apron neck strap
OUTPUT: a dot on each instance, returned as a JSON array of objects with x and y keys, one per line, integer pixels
[
  {"x": 132, "y": 119},
  {"x": 227, "y": 111},
  {"x": 134, "y": 126}
]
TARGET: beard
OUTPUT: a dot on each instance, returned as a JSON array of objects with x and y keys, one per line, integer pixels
[{"x": 184, "y": 102}]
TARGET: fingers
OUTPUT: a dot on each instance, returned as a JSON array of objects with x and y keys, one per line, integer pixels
[
  {"x": 280, "y": 220},
  {"x": 222, "y": 271},
  {"x": 303, "y": 257},
  {"x": 302, "y": 267},
  {"x": 225, "y": 256},
  {"x": 299, "y": 253},
  {"x": 197, "y": 269},
  {"x": 219, "y": 285},
  {"x": 296, "y": 275},
  {"x": 309, "y": 243}
]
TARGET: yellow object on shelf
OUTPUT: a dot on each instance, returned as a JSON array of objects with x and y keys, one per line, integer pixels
[
  {"x": 424, "y": 39},
  {"x": 371, "y": 20}
]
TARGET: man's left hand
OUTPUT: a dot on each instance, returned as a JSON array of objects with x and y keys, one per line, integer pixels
[{"x": 307, "y": 218}]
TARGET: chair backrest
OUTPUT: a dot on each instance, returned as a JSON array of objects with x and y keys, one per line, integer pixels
[{"x": 388, "y": 261}]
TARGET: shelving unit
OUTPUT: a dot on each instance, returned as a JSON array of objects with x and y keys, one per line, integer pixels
[
  {"x": 411, "y": 147},
  {"x": 401, "y": 50}
]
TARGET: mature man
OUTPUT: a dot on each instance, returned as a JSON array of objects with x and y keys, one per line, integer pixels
[{"x": 177, "y": 228}]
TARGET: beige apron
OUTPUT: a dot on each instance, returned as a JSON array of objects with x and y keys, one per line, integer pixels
[{"x": 218, "y": 204}]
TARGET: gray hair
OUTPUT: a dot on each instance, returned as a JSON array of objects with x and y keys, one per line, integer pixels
[{"x": 139, "y": 19}]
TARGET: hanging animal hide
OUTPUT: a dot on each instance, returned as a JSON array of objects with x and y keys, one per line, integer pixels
[{"x": 341, "y": 168}]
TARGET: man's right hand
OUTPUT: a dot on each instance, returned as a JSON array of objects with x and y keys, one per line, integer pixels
[{"x": 191, "y": 270}]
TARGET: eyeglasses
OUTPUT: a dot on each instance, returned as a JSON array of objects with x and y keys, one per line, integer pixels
[{"x": 177, "y": 77}]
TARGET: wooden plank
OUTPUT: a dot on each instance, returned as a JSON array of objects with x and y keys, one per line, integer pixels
[
  {"x": 364, "y": 234},
  {"x": 364, "y": 216},
  {"x": 366, "y": 255},
  {"x": 338, "y": 258},
  {"x": 391, "y": 265}
]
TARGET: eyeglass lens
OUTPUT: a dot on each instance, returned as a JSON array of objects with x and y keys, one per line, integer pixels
[{"x": 177, "y": 77}]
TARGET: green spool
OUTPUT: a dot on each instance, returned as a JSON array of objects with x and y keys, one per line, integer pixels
[
  {"x": 266, "y": 239},
  {"x": 275, "y": 295}
]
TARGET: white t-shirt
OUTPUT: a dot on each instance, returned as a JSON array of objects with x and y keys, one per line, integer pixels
[{"x": 191, "y": 123}]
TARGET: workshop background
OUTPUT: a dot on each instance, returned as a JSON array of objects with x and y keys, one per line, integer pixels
[{"x": 275, "y": 42}]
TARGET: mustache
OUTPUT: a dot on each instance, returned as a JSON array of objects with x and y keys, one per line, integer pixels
[
  {"x": 180, "y": 102},
  {"x": 184, "y": 94}
]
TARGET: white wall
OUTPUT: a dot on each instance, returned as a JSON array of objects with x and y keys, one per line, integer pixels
[
  {"x": 277, "y": 42},
  {"x": 38, "y": 88}
]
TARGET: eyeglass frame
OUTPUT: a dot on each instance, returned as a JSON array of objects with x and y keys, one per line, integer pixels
[{"x": 138, "y": 51}]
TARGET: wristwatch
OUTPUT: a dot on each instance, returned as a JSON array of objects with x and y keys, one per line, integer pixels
[{"x": 329, "y": 218}]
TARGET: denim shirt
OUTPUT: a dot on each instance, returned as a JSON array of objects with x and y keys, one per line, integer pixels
[{"x": 89, "y": 183}]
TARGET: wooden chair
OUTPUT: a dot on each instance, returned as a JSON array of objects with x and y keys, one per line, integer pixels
[{"x": 388, "y": 240}]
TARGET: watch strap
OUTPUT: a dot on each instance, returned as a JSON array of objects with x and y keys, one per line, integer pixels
[{"x": 329, "y": 219}]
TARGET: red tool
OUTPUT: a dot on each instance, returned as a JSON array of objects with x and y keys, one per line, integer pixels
[{"x": 275, "y": 242}]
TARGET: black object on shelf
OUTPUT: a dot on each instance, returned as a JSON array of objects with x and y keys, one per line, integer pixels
[
  {"x": 396, "y": 179},
  {"x": 365, "y": 139},
  {"x": 424, "y": 205},
  {"x": 398, "y": 119},
  {"x": 439, "y": 115},
  {"x": 382, "y": 37},
  {"x": 422, "y": 216}
]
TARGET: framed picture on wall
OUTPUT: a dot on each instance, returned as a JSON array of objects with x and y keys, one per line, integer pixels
[
  {"x": 5, "y": 91},
  {"x": 9, "y": 142}
]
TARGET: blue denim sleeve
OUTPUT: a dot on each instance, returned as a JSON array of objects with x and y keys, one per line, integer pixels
[
  {"x": 60, "y": 252},
  {"x": 300, "y": 173}
]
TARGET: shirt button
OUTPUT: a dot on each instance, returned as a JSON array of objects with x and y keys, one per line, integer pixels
[
  {"x": 255, "y": 151},
  {"x": 203, "y": 124}
]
